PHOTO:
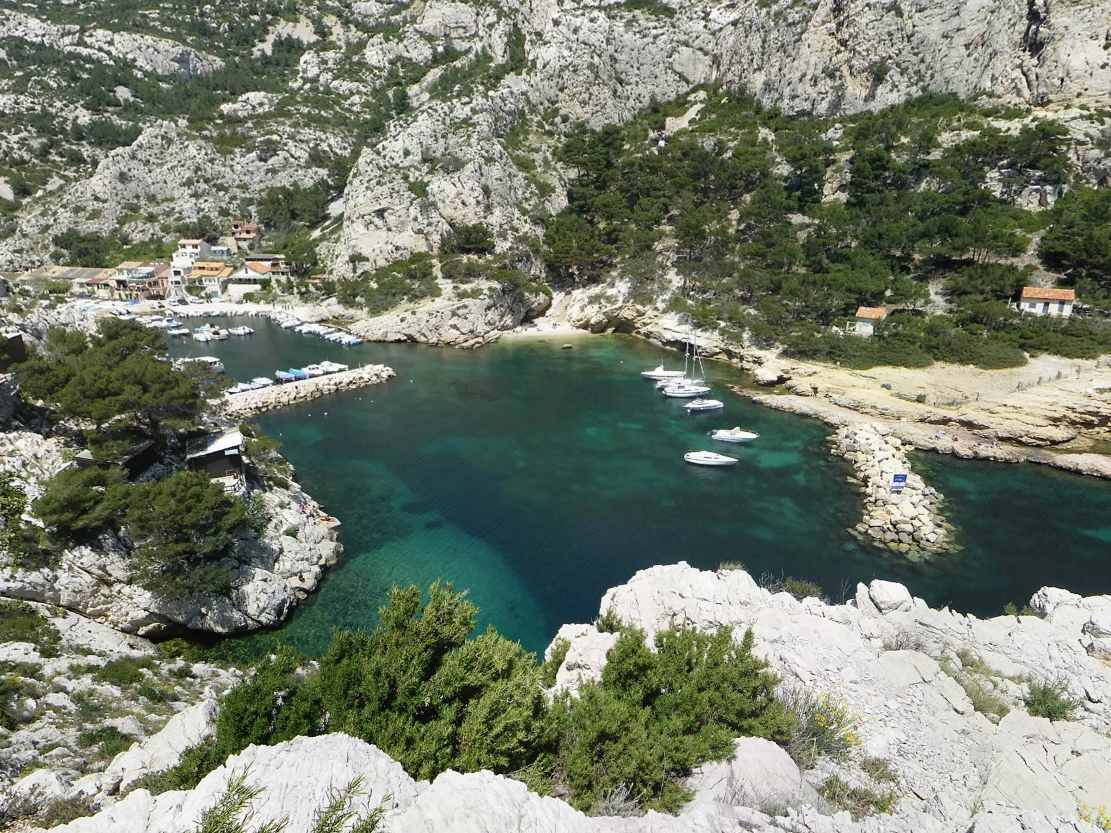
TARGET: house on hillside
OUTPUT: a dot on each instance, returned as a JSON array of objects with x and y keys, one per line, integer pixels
[
  {"x": 1050, "y": 301},
  {"x": 865, "y": 320},
  {"x": 245, "y": 233},
  {"x": 277, "y": 266},
  {"x": 133, "y": 281},
  {"x": 195, "y": 249},
  {"x": 220, "y": 456}
]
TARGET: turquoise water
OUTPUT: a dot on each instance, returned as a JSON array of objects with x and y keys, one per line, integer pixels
[{"x": 536, "y": 478}]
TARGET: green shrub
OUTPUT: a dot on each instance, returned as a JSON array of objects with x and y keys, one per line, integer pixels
[
  {"x": 21, "y": 622},
  {"x": 656, "y": 715},
  {"x": 109, "y": 740},
  {"x": 802, "y": 589},
  {"x": 551, "y": 666},
  {"x": 823, "y": 725},
  {"x": 609, "y": 622},
  {"x": 1051, "y": 699},
  {"x": 859, "y": 801},
  {"x": 122, "y": 672}
]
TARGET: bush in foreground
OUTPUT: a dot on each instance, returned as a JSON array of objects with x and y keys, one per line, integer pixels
[{"x": 432, "y": 698}]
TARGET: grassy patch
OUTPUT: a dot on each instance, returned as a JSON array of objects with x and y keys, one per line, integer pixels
[
  {"x": 109, "y": 741},
  {"x": 859, "y": 801},
  {"x": 1051, "y": 699}
]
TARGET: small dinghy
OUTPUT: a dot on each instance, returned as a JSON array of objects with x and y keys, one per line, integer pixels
[
  {"x": 698, "y": 405},
  {"x": 709, "y": 458},
  {"x": 733, "y": 435},
  {"x": 661, "y": 373}
]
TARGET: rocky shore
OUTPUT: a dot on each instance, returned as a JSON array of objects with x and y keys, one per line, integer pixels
[
  {"x": 906, "y": 521},
  {"x": 910, "y": 676},
  {"x": 253, "y": 402}
]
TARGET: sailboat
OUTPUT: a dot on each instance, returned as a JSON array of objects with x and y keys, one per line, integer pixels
[{"x": 689, "y": 388}]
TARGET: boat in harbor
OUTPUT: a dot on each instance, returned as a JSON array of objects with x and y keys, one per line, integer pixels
[
  {"x": 313, "y": 370},
  {"x": 219, "y": 335},
  {"x": 281, "y": 376},
  {"x": 297, "y": 373},
  {"x": 205, "y": 336},
  {"x": 709, "y": 458},
  {"x": 733, "y": 435},
  {"x": 211, "y": 361},
  {"x": 178, "y": 331},
  {"x": 262, "y": 382},
  {"x": 334, "y": 367},
  {"x": 686, "y": 390},
  {"x": 241, "y": 331},
  {"x": 696, "y": 406},
  {"x": 661, "y": 373}
]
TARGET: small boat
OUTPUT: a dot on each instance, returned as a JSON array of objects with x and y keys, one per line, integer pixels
[
  {"x": 204, "y": 328},
  {"x": 668, "y": 382},
  {"x": 313, "y": 370},
  {"x": 333, "y": 367},
  {"x": 733, "y": 435},
  {"x": 262, "y": 382},
  {"x": 699, "y": 405},
  {"x": 661, "y": 373},
  {"x": 282, "y": 376},
  {"x": 178, "y": 331},
  {"x": 686, "y": 390},
  {"x": 220, "y": 335},
  {"x": 241, "y": 331},
  {"x": 298, "y": 374},
  {"x": 203, "y": 337},
  {"x": 211, "y": 361},
  {"x": 709, "y": 458}
]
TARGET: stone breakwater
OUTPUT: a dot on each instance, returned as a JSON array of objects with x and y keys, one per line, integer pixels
[
  {"x": 907, "y": 521},
  {"x": 252, "y": 402}
]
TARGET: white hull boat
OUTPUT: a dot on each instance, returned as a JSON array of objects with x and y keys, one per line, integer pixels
[
  {"x": 262, "y": 382},
  {"x": 687, "y": 390},
  {"x": 240, "y": 331},
  {"x": 661, "y": 374},
  {"x": 668, "y": 382},
  {"x": 709, "y": 458},
  {"x": 733, "y": 435},
  {"x": 698, "y": 405},
  {"x": 203, "y": 337}
]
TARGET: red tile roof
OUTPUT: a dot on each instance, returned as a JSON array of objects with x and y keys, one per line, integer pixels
[
  {"x": 877, "y": 313},
  {"x": 1048, "y": 293}
]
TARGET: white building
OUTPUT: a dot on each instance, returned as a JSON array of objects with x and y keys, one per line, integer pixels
[
  {"x": 1047, "y": 301},
  {"x": 864, "y": 324}
]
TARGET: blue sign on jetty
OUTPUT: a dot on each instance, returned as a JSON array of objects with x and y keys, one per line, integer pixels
[{"x": 898, "y": 482}]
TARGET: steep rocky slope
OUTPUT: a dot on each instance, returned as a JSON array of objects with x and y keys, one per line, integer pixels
[
  {"x": 434, "y": 97},
  {"x": 905, "y": 670}
]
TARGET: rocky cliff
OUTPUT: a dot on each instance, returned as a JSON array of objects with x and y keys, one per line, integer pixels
[
  {"x": 270, "y": 573},
  {"x": 454, "y": 107},
  {"x": 906, "y": 671}
]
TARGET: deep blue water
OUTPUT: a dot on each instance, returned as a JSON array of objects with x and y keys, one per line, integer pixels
[{"x": 536, "y": 478}]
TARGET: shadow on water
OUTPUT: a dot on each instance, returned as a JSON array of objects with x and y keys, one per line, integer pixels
[{"x": 537, "y": 478}]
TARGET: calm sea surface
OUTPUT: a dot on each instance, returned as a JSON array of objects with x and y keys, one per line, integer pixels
[{"x": 536, "y": 478}]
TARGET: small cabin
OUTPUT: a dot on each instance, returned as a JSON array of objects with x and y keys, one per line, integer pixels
[
  {"x": 865, "y": 320},
  {"x": 220, "y": 456},
  {"x": 1039, "y": 300},
  {"x": 135, "y": 460}
]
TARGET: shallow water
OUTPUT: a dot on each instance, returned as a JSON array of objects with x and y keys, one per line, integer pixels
[{"x": 536, "y": 478}]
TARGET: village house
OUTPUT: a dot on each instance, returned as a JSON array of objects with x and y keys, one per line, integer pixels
[
  {"x": 133, "y": 281},
  {"x": 1038, "y": 300},
  {"x": 209, "y": 277},
  {"x": 278, "y": 267},
  {"x": 245, "y": 233},
  {"x": 864, "y": 323}
]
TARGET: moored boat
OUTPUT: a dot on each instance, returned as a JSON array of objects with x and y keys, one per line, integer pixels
[
  {"x": 662, "y": 373},
  {"x": 699, "y": 405},
  {"x": 733, "y": 435},
  {"x": 709, "y": 458},
  {"x": 686, "y": 390}
]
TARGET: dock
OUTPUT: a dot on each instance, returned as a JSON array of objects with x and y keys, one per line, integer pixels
[{"x": 252, "y": 402}]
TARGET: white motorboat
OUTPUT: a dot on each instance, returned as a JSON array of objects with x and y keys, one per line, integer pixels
[
  {"x": 333, "y": 367},
  {"x": 313, "y": 370},
  {"x": 211, "y": 361},
  {"x": 660, "y": 373},
  {"x": 220, "y": 335},
  {"x": 668, "y": 382},
  {"x": 686, "y": 390},
  {"x": 240, "y": 331},
  {"x": 205, "y": 336},
  {"x": 699, "y": 405},
  {"x": 262, "y": 381},
  {"x": 178, "y": 331},
  {"x": 709, "y": 458},
  {"x": 733, "y": 435}
]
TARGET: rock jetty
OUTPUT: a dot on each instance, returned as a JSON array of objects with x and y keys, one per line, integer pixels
[
  {"x": 906, "y": 521},
  {"x": 252, "y": 402}
]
